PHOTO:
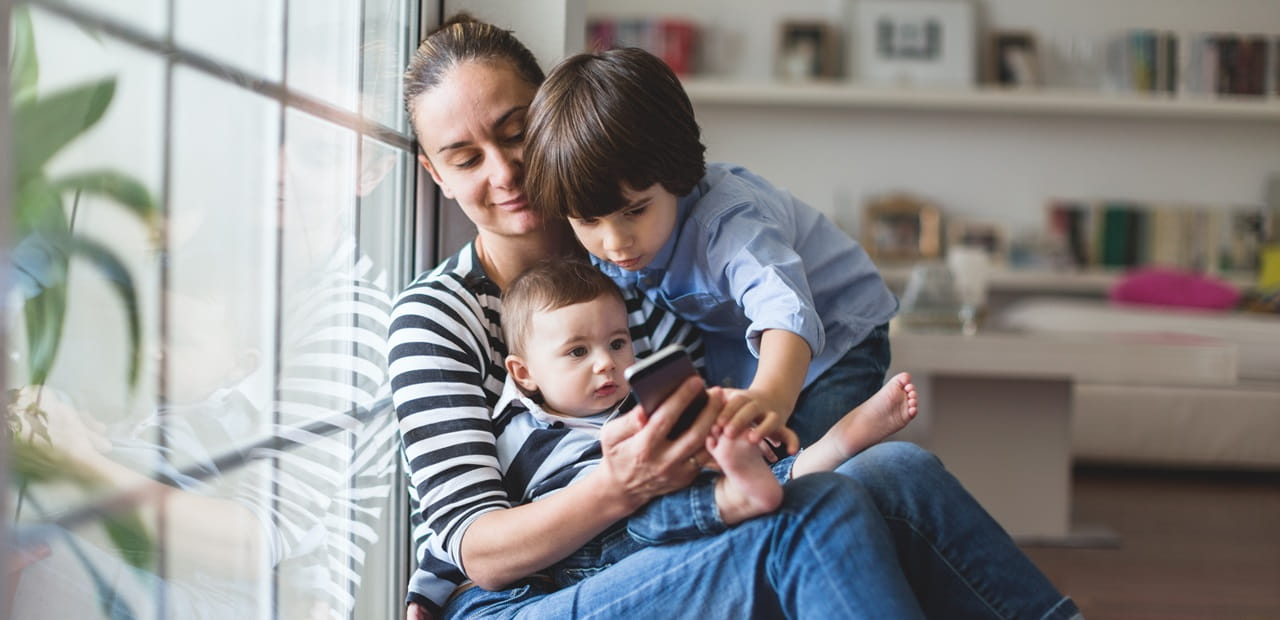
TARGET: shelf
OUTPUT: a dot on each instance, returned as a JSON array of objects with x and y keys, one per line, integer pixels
[
  {"x": 986, "y": 100},
  {"x": 1089, "y": 282}
]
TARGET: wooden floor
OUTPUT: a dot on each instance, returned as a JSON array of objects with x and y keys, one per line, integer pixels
[{"x": 1191, "y": 545}]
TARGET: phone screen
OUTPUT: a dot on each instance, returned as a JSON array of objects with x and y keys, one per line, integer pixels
[{"x": 655, "y": 378}]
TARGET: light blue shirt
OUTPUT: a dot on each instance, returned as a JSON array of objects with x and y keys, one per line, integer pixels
[{"x": 745, "y": 257}]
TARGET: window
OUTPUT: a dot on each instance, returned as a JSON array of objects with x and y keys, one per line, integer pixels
[{"x": 255, "y": 445}]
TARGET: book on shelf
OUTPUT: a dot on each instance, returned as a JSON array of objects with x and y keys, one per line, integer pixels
[
  {"x": 673, "y": 40},
  {"x": 1159, "y": 61},
  {"x": 1115, "y": 234}
]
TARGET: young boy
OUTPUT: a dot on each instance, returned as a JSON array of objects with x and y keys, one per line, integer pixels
[
  {"x": 613, "y": 145},
  {"x": 566, "y": 328}
]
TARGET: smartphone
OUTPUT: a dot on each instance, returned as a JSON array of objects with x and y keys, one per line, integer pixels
[{"x": 656, "y": 377}]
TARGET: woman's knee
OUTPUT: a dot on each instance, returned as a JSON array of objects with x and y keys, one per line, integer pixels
[
  {"x": 825, "y": 491},
  {"x": 895, "y": 465}
]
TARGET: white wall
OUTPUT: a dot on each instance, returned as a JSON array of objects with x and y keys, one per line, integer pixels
[{"x": 973, "y": 163}]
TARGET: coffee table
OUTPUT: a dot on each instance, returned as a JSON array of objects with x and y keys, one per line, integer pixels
[{"x": 996, "y": 407}]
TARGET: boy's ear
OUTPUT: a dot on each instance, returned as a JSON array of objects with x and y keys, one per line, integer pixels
[
  {"x": 519, "y": 372},
  {"x": 435, "y": 176}
]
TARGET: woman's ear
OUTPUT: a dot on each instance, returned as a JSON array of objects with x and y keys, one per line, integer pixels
[
  {"x": 519, "y": 372},
  {"x": 435, "y": 176}
]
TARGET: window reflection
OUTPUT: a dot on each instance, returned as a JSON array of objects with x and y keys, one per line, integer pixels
[{"x": 258, "y": 447}]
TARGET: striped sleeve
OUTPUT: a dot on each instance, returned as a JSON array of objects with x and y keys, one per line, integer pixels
[{"x": 445, "y": 351}]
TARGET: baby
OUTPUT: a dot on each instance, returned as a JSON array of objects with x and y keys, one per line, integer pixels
[{"x": 566, "y": 328}]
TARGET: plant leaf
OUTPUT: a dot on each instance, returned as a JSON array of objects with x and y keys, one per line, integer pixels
[
  {"x": 39, "y": 208},
  {"x": 117, "y": 186},
  {"x": 24, "y": 67},
  {"x": 31, "y": 463},
  {"x": 44, "y": 316},
  {"x": 41, "y": 128},
  {"x": 114, "y": 270},
  {"x": 130, "y": 537}
]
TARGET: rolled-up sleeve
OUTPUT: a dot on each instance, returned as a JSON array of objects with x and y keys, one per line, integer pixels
[{"x": 764, "y": 275}]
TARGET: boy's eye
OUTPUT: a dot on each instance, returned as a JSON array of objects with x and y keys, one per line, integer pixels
[
  {"x": 577, "y": 352},
  {"x": 587, "y": 221},
  {"x": 637, "y": 211},
  {"x": 516, "y": 138},
  {"x": 468, "y": 162},
  {"x": 617, "y": 344}
]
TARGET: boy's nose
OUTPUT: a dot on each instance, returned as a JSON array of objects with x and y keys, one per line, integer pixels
[{"x": 616, "y": 240}]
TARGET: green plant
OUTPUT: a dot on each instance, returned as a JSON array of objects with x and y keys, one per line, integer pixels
[{"x": 44, "y": 243}]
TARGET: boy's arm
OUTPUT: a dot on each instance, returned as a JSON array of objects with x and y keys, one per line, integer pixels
[{"x": 784, "y": 362}]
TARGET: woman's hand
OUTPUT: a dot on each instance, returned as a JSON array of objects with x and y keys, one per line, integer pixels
[{"x": 642, "y": 461}]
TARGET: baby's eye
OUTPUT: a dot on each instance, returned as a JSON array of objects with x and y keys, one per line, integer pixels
[
  {"x": 515, "y": 138},
  {"x": 617, "y": 344},
  {"x": 577, "y": 352}
]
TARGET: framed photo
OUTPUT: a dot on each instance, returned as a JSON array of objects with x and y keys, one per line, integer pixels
[
  {"x": 1012, "y": 59},
  {"x": 913, "y": 42},
  {"x": 900, "y": 227},
  {"x": 987, "y": 236},
  {"x": 806, "y": 51}
]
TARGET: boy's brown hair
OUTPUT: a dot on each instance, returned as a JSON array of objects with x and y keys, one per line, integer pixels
[
  {"x": 601, "y": 120},
  {"x": 549, "y": 285}
]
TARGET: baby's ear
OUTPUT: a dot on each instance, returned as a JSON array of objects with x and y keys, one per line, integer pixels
[{"x": 520, "y": 373}]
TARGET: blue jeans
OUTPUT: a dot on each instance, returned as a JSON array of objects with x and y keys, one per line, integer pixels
[
  {"x": 955, "y": 559},
  {"x": 847, "y": 384},
  {"x": 826, "y": 553}
]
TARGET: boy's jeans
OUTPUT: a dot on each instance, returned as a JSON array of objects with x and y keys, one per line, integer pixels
[{"x": 847, "y": 384}]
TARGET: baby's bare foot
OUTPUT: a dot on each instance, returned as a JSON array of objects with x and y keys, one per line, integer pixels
[
  {"x": 885, "y": 413},
  {"x": 748, "y": 487}
]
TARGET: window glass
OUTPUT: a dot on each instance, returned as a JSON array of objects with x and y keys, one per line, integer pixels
[
  {"x": 244, "y": 34},
  {"x": 251, "y": 468}
]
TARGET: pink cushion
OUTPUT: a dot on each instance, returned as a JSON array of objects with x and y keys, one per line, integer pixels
[{"x": 1169, "y": 287}]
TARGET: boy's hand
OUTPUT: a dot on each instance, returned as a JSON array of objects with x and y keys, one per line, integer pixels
[{"x": 746, "y": 411}]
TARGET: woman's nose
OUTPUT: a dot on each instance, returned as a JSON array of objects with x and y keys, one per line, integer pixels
[{"x": 507, "y": 169}]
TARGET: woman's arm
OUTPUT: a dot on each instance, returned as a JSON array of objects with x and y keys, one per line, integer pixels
[{"x": 638, "y": 464}]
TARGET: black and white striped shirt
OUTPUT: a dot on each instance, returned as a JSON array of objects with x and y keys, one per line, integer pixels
[{"x": 446, "y": 354}]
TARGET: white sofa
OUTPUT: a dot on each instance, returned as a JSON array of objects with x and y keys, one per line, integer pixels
[{"x": 1236, "y": 426}]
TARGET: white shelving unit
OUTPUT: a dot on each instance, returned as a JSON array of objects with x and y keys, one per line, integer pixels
[
  {"x": 981, "y": 100},
  {"x": 1093, "y": 282}
]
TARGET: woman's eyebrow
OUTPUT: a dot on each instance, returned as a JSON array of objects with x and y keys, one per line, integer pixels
[{"x": 502, "y": 120}]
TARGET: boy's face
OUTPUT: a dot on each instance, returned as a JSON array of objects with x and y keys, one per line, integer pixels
[
  {"x": 575, "y": 356},
  {"x": 631, "y": 236}
]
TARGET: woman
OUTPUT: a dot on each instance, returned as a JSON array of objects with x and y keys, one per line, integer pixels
[{"x": 891, "y": 535}]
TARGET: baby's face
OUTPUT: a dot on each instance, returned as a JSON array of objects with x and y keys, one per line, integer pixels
[
  {"x": 576, "y": 354},
  {"x": 632, "y": 236}
]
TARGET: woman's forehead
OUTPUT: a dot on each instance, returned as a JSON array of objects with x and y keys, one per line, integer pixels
[{"x": 473, "y": 91}]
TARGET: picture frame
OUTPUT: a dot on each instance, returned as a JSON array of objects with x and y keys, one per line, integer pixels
[
  {"x": 806, "y": 51},
  {"x": 913, "y": 42},
  {"x": 989, "y": 236},
  {"x": 901, "y": 227},
  {"x": 1013, "y": 59}
]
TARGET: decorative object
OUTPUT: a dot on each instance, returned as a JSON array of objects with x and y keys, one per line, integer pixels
[
  {"x": 913, "y": 42},
  {"x": 901, "y": 227},
  {"x": 806, "y": 51},
  {"x": 988, "y": 236},
  {"x": 931, "y": 297},
  {"x": 1012, "y": 59}
]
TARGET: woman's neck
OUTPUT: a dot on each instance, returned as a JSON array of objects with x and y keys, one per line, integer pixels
[{"x": 504, "y": 257}]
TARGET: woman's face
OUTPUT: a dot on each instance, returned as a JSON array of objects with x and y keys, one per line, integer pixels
[{"x": 471, "y": 127}]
